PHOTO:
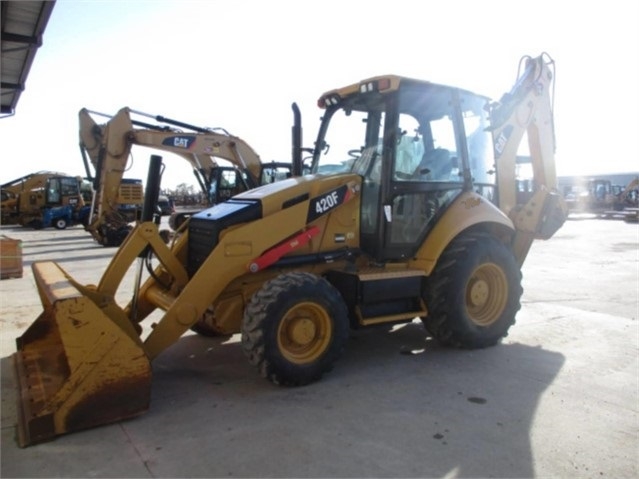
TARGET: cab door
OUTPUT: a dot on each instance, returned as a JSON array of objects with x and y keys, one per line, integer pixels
[{"x": 426, "y": 168}]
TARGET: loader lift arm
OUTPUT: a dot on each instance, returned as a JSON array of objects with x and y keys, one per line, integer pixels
[{"x": 108, "y": 146}]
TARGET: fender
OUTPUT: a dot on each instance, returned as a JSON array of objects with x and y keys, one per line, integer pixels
[{"x": 469, "y": 209}]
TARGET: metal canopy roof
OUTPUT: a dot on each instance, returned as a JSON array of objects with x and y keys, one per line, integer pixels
[{"x": 23, "y": 24}]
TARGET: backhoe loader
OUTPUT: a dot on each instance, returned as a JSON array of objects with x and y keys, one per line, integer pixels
[
  {"x": 108, "y": 147},
  {"x": 12, "y": 189},
  {"x": 44, "y": 199},
  {"x": 409, "y": 211},
  {"x": 59, "y": 204}
]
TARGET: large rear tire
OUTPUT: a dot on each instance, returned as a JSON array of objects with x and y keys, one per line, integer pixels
[
  {"x": 474, "y": 293},
  {"x": 294, "y": 328}
]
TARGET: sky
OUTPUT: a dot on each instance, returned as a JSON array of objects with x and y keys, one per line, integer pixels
[{"x": 240, "y": 65}]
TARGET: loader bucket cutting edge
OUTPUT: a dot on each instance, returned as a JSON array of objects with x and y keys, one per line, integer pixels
[{"x": 75, "y": 367}]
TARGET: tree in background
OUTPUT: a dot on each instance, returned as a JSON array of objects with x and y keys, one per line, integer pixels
[{"x": 184, "y": 194}]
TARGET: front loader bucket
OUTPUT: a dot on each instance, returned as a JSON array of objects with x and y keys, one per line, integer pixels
[{"x": 75, "y": 366}]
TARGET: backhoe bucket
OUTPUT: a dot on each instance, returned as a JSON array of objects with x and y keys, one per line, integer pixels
[{"x": 75, "y": 366}]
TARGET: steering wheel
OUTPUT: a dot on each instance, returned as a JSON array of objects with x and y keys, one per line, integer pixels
[{"x": 355, "y": 154}]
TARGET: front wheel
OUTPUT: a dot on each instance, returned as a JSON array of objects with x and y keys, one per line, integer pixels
[
  {"x": 294, "y": 328},
  {"x": 474, "y": 292},
  {"x": 60, "y": 223}
]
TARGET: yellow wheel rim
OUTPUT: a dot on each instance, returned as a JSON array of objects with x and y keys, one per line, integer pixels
[
  {"x": 304, "y": 333},
  {"x": 486, "y": 294}
]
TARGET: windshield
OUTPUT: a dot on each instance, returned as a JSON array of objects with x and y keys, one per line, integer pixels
[
  {"x": 343, "y": 142},
  {"x": 347, "y": 131}
]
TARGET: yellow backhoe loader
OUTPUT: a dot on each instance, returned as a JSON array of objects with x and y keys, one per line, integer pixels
[
  {"x": 12, "y": 189},
  {"x": 59, "y": 204},
  {"x": 108, "y": 148},
  {"x": 410, "y": 211},
  {"x": 44, "y": 199}
]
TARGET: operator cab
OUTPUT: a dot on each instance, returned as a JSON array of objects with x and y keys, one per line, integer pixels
[
  {"x": 62, "y": 191},
  {"x": 417, "y": 146}
]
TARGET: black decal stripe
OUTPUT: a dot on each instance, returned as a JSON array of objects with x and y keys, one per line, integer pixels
[
  {"x": 294, "y": 201},
  {"x": 317, "y": 209}
]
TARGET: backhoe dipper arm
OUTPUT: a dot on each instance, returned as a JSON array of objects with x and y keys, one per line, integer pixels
[
  {"x": 91, "y": 137},
  {"x": 108, "y": 151},
  {"x": 527, "y": 108}
]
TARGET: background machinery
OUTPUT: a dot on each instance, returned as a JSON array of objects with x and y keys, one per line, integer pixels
[
  {"x": 596, "y": 196},
  {"x": 12, "y": 189},
  {"x": 412, "y": 214},
  {"x": 629, "y": 200},
  {"x": 44, "y": 199},
  {"x": 629, "y": 196},
  {"x": 108, "y": 148},
  {"x": 601, "y": 197}
]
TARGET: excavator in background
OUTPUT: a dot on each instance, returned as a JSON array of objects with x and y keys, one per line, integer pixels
[
  {"x": 129, "y": 199},
  {"x": 226, "y": 181},
  {"x": 108, "y": 147},
  {"x": 409, "y": 211},
  {"x": 125, "y": 199}
]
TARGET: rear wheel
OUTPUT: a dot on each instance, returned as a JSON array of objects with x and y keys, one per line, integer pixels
[
  {"x": 474, "y": 292},
  {"x": 295, "y": 328}
]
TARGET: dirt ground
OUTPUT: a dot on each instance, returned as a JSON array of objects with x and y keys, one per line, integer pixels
[{"x": 558, "y": 398}]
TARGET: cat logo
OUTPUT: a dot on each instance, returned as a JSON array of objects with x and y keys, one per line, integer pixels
[
  {"x": 502, "y": 140},
  {"x": 179, "y": 141},
  {"x": 471, "y": 202}
]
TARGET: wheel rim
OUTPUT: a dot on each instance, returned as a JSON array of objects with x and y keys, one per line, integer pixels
[
  {"x": 304, "y": 333},
  {"x": 486, "y": 294}
]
